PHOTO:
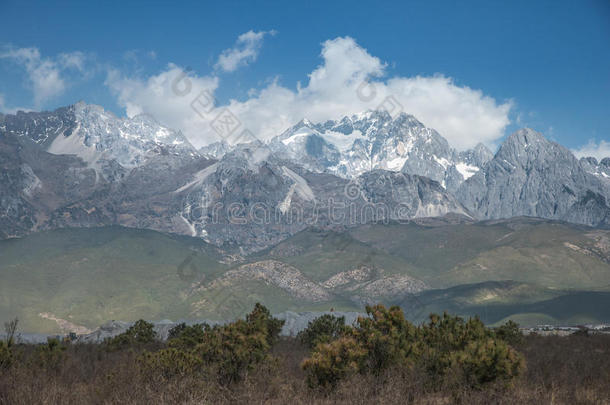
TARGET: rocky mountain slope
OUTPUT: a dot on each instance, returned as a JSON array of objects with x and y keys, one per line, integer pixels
[
  {"x": 533, "y": 176},
  {"x": 254, "y": 205},
  {"x": 81, "y": 166}
]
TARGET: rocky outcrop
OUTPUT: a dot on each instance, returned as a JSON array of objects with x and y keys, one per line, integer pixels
[
  {"x": 533, "y": 176},
  {"x": 393, "y": 286},
  {"x": 369, "y": 285},
  {"x": 275, "y": 273},
  {"x": 364, "y": 281},
  {"x": 357, "y": 276}
]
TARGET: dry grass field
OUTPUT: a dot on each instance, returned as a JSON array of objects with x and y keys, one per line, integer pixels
[{"x": 560, "y": 370}]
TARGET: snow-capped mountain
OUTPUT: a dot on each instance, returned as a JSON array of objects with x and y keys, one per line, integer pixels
[
  {"x": 374, "y": 140},
  {"x": 82, "y": 166},
  {"x": 216, "y": 150},
  {"x": 129, "y": 141},
  {"x": 98, "y": 136}
]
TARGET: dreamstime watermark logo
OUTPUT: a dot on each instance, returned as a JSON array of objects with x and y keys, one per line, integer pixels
[
  {"x": 352, "y": 190},
  {"x": 225, "y": 123},
  {"x": 357, "y": 205},
  {"x": 230, "y": 129},
  {"x": 353, "y": 207},
  {"x": 331, "y": 212}
]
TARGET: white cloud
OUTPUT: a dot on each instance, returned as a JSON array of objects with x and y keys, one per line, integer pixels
[
  {"x": 46, "y": 75},
  {"x": 74, "y": 60},
  {"x": 245, "y": 51},
  {"x": 167, "y": 97},
  {"x": 463, "y": 115},
  {"x": 592, "y": 148}
]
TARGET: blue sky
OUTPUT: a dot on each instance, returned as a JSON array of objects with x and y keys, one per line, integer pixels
[{"x": 475, "y": 70}]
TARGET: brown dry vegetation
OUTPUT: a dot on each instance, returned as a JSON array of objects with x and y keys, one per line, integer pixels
[{"x": 560, "y": 370}]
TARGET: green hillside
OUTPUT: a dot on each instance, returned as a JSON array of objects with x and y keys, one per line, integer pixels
[
  {"x": 89, "y": 276},
  {"x": 497, "y": 301},
  {"x": 547, "y": 253},
  {"x": 63, "y": 279}
]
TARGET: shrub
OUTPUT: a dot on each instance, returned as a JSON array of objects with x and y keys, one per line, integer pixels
[
  {"x": 187, "y": 337},
  {"x": 331, "y": 362},
  {"x": 227, "y": 351},
  {"x": 446, "y": 347},
  {"x": 449, "y": 332},
  {"x": 488, "y": 360},
  {"x": 140, "y": 333},
  {"x": 386, "y": 335},
  {"x": 171, "y": 362},
  {"x": 442, "y": 336},
  {"x": 382, "y": 339},
  {"x": 324, "y": 329},
  {"x": 10, "y": 328},
  {"x": 176, "y": 331},
  {"x": 233, "y": 349},
  {"x": 51, "y": 354},
  {"x": 510, "y": 333},
  {"x": 582, "y": 331},
  {"x": 470, "y": 352},
  {"x": 6, "y": 355},
  {"x": 260, "y": 318}
]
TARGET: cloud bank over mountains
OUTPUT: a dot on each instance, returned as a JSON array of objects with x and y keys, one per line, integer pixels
[
  {"x": 598, "y": 150},
  {"x": 47, "y": 77},
  {"x": 348, "y": 80}
]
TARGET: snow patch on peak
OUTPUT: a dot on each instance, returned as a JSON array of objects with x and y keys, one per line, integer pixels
[
  {"x": 342, "y": 141},
  {"x": 466, "y": 170},
  {"x": 302, "y": 132},
  {"x": 395, "y": 164},
  {"x": 129, "y": 141}
]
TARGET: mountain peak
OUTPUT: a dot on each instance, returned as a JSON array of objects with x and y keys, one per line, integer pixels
[
  {"x": 481, "y": 147},
  {"x": 524, "y": 142},
  {"x": 85, "y": 111},
  {"x": 371, "y": 115},
  {"x": 526, "y": 136}
]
